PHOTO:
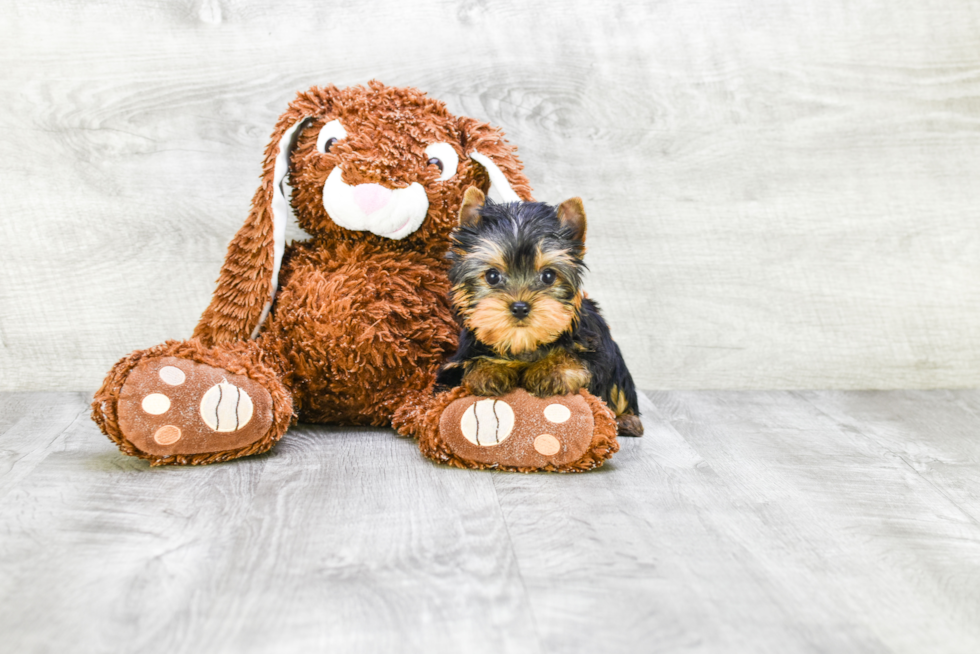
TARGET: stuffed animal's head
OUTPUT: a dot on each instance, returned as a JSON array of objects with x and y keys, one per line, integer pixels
[
  {"x": 379, "y": 162},
  {"x": 375, "y": 163}
]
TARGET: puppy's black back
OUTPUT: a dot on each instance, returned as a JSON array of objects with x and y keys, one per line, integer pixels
[{"x": 611, "y": 379}]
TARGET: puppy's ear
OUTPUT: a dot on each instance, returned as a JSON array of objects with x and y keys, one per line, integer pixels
[
  {"x": 571, "y": 215},
  {"x": 469, "y": 213},
  {"x": 250, "y": 274},
  {"x": 487, "y": 147}
]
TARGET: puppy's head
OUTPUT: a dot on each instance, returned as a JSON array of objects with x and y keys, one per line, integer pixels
[{"x": 516, "y": 270}]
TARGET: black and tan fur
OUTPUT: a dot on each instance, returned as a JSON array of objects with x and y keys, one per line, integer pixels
[{"x": 516, "y": 288}]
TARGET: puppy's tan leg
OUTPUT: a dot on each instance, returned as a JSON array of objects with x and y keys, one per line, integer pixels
[
  {"x": 556, "y": 374},
  {"x": 490, "y": 377}
]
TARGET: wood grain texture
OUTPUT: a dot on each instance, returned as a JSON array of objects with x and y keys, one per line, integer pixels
[
  {"x": 741, "y": 522},
  {"x": 340, "y": 540},
  {"x": 830, "y": 521},
  {"x": 781, "y": 195}
]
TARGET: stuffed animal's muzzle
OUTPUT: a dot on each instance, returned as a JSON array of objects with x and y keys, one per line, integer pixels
[{"x": 391, "y": 213}]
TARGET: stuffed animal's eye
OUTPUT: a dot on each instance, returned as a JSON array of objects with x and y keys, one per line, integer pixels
[
  {"x": 548, "y": 276},
  {"x": 444, "y": 157},
  {"x": 332, "y": 132},
  {"x": 493, "y": 276}
]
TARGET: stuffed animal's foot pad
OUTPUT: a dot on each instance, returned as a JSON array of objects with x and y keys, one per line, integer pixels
[
  {"x": 518, "y": 431},
  {"x": 174, "y": 406}
]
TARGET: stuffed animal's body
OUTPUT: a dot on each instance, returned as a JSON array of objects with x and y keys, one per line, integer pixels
[
  {"x": 357, "y": 330},
  {"x": 349, "y": 326}
]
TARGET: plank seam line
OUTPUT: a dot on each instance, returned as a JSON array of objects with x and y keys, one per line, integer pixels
[
  {"x": 45, "y": 448},
  {"x": 517, "y": 561},
  {"x": 939, "y": 490}
]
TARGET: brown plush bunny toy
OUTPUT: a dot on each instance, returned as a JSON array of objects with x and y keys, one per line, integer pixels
[{"x": 346, "y": 327}]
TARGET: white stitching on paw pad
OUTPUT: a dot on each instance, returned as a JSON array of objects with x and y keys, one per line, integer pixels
[
  {"x": 487, "y": 422},
  {"x": 225, "y": 407}
]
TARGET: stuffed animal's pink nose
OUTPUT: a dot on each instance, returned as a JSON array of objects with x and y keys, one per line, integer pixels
[{"x": 371, "y": 197}]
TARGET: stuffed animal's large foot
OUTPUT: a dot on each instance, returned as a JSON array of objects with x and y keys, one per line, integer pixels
[
  {"x": 520, "y": 432},
  {"x": 170, "y": 409},
  {"x": 173, "y": 406}
]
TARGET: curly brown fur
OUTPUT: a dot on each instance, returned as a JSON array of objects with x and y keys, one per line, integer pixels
[
  {"x": 516, "y": 287},
  {"x": 360, "y": 321},
  {"x": 358, "y": 327},
  {"x": 409, "y": 418}
]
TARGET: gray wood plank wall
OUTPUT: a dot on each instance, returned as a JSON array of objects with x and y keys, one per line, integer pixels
[{"x": 782, "y": 194}]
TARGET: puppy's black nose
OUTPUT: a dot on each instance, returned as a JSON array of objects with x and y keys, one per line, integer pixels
[{"x": 520, "y": 309}]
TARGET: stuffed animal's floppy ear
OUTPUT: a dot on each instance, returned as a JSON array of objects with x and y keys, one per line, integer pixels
[
  {"x": 500, "y": 189},
  {"x": 250, "y": 274},
  {"x": 486, "y": 146}
]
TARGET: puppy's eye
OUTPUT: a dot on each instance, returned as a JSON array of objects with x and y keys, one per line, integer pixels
[
  {"x": 332, "y": 132},
  {"x": 444, "y": 157},
  {"x": 548, "y": 276},
  {"x": 493, "y": 276}
]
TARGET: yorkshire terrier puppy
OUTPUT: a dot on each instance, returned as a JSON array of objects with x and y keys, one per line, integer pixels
[{"x": 516, "y": 276}]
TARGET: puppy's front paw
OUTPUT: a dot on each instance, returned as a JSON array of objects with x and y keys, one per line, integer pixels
[
  {"x": 489, "y": 379},
  {"x": 555, "y": 378}
]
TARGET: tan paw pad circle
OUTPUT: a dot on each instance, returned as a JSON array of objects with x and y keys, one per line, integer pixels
[
  {"x": 167, "y": 435},
  {"x": 172, "y": 375},
  {"x": 547, "y": 444},
  {"x": 225, "y": 407},
  {"x": 487, "y": 422},
  {"x": 156, "y": 404},
  {"x": 557, "y": 413}
]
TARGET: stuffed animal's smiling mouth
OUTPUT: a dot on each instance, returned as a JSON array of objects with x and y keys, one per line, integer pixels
[{"x": 390, "y": 213}]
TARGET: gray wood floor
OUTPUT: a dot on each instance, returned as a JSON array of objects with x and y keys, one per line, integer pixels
[{"x": 742, "y": 522}]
